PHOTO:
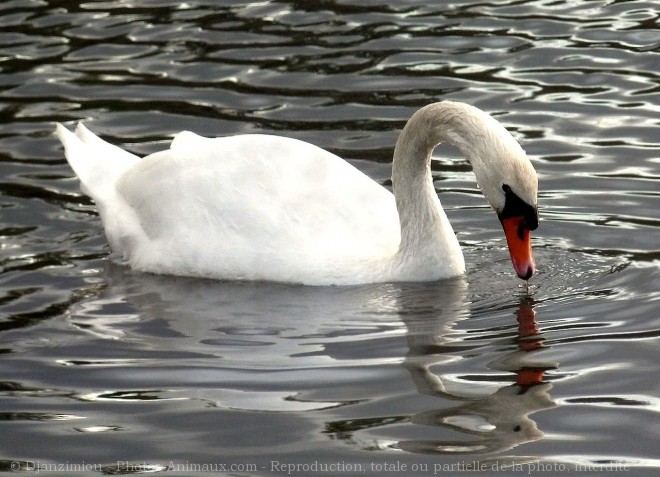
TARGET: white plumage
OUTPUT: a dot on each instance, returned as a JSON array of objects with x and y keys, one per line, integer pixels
[{"x": 261, "y": 207}]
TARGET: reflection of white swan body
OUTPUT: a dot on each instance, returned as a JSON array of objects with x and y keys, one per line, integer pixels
[{"x": 258, "y": 207}]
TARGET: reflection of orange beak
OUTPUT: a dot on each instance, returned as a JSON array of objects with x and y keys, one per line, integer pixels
[{"x": 520, "y": 246}]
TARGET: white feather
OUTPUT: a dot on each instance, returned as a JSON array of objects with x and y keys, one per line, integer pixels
[{"x": 261, "y": 207}]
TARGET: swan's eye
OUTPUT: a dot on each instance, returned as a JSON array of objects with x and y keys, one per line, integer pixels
[{"x": 514, "y": 206}]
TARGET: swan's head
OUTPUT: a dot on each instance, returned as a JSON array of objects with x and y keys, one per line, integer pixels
[
  {"x": 518, "y": 218},
  {"x": 509, "y": 183}
]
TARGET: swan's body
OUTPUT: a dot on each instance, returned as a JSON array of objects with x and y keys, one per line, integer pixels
[{"x": 259, "y": 207}]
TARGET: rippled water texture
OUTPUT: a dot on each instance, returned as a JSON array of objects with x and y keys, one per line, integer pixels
[{"x": 126, "y": 372}]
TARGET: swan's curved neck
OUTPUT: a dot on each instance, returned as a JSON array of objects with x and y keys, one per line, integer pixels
[{"x": 427, "y": 239}]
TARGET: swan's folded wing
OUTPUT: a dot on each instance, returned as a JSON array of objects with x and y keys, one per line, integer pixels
[{"x": 262, "y": 198}]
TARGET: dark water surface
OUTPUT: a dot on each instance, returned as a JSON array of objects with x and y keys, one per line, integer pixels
[{"x": 108, "y": 371}]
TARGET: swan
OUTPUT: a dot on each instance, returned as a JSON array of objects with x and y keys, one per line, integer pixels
[{"x": 270, "y": 208}]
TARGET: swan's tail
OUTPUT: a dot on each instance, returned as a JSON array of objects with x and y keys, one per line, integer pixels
[
  {"x": 97, "y": 163},
  {"x": 99, "y": 166}
]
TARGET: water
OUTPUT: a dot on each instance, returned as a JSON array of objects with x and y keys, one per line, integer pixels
[{"x": 109, "y": 371}]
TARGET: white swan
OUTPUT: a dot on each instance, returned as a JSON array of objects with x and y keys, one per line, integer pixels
[{"x": 260, "y": 207}]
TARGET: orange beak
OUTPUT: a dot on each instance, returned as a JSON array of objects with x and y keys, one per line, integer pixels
[{"x": 520, "y": 246}]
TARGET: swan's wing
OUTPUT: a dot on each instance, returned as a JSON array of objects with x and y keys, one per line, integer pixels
[{"x": 247, "y": 201}]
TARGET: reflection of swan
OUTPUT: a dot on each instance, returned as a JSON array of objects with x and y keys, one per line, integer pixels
[
  {"x": 495, "y": 421},
  {"x": 270, "y": 208},
  {"x": 278, "y": 347},
  {"x": 247, "y": 324}
]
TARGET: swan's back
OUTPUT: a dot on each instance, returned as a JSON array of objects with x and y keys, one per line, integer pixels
[{"x": 254, "y": 207}]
